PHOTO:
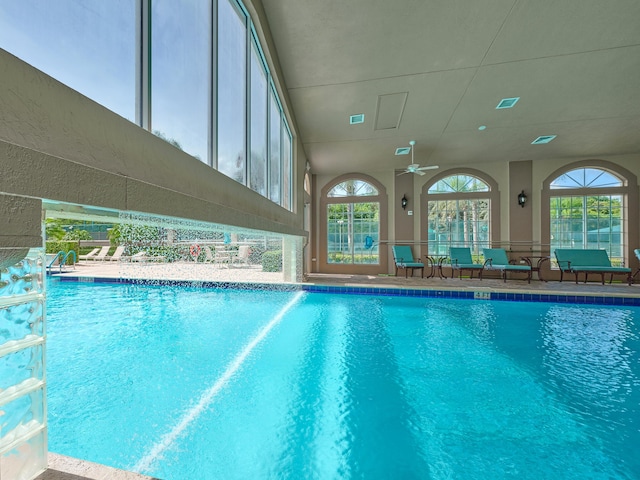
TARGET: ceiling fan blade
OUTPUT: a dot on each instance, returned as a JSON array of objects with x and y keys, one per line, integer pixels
[
  {"x": 429, "y": 167},
  {"x": 402, "y": 173},
  {"x": 419, "y": 172}
]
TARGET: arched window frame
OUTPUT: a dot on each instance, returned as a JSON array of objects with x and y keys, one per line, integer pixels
[
  {"x": 628, "y": 191},
  {"x": 380, "y": 243},
  {"x": 493, "y": 196}
]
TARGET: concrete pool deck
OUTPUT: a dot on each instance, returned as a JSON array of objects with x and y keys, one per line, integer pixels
[{"x": 66, "y": 468}]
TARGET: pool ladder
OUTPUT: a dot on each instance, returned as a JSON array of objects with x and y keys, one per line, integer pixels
[{"x": 62, "y": 257}]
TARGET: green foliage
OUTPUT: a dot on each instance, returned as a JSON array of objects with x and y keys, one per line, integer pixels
[
  {"x": 78, "y": 235},
  {"x": 356, "y": 259},
  {"x": 172, "y": 141},
  {"x": 113, "y": 234},
  {"x": 272, "y": 261},
  {"x": 56, "y": 246},
  {"x": 53, "y": 229},
  {"x": 171, "y": 253},
  {"x": 368, "y": 211},
  {"x": 63, "y": 246},
  {"x": 594, "y": 207}
]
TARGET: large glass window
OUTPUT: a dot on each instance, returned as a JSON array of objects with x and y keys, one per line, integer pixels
[
  {"x": 287, "y": 170},
  {"x": 353, "y": 224},
  {"x": 232, "y": 88},
  {"x": 275, "y": 161},
  {"x": 180, "y": 53},
  {"x": 89, "y": 45},
  {"x": 583, "y": 219},
  {"x": 99, "y": 48},
  {"x": 258, "y": 167},
  {"x": 458, "y": 215}
]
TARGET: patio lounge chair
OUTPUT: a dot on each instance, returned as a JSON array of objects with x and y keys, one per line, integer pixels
[
  {"x": 90, "y": 255},
  {"x": 496, "y": 259},
  {"x": 637, "y": 252},
  {"x": 243, "y": 255},
  {"x": 208, "y": 254},
  {"x": 117, "y": 255},
  {"x": 101, "y": 255},
  {"x": 144, "y": 258},
  {"x": 460, "y": 259},
  {"x": 403, "y": 257},
  {"x": 577, "y": 260}
]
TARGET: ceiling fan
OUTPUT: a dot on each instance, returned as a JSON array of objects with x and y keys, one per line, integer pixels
[{"x": 415, "y": 167}]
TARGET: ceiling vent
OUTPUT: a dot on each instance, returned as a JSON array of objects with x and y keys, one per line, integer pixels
[
  {"x": 403, "y": 150},
  {"x": 543, "y": 139},
  {"x": 355, "y": 119},
  {"x": 389, "y": 110},
  {"x": 507, "y": 102}
]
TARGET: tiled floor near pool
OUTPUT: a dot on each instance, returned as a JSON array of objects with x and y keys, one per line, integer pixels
[{"x": 67, "y": 468}]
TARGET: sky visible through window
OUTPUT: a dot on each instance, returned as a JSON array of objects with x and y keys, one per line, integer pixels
[
  {"x": 353, "y": 188},
  {"x": 180, "y": 75},
  {"x": 586, "y": 178},
  {"x": 459, "y": 183},
  {"x": 87, "y": 45}
]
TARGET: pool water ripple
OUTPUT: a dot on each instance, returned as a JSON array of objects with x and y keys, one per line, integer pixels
[{"x": 344, "y": 386}]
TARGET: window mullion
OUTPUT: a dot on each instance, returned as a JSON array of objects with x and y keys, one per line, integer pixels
[{"x": 143, "y": 64}]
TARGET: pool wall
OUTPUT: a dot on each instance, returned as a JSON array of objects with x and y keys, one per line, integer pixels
[{"x": 591, "y": 299}]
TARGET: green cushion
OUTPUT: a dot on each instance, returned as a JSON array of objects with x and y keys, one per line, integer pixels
[
  {"x": 522, "y": 268},
  {"x": 601, "y": 269},
  {"x": 402, "y": 254},
  {"x": 467, "y": 266},
  {"x": 574, "y": 258},
  {"x": 460, "y": 255},
  {"x": 498, "y": 256},
  {"x": 410, "y": 264}
]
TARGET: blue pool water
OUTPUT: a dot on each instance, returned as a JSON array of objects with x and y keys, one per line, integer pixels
[{"x": 192, "y": 383}]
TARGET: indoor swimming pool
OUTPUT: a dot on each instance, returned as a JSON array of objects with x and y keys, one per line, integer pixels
[{"x": 189, "y": 383}]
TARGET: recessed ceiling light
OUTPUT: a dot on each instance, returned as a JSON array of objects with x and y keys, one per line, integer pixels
[
  {"x": 507, "y": 102},
  {"x": 543, "y": 139},
  {"x": 482, "y": 127},
  {"x": 403, "y": 150},
  {"x": 357, "y": 118}
]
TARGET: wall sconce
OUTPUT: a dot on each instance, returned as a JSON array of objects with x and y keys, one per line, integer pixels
[
  {"x": 522, "y": 199},
  {"x": 404, "y": 201}
]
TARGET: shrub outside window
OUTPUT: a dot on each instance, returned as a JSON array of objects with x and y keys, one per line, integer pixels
[{"x": 353, "y": 224}]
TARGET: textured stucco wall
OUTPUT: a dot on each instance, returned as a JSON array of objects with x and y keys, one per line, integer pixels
[
  {"x": 57, "y": 144},
  {"x": 20, "y": 222}
]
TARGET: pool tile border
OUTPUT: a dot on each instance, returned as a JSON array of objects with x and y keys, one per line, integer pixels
[
  {"x": 588, "y": 299},
  {"x": 484, "y": 295},
  {"x": 285, "y": 287}
]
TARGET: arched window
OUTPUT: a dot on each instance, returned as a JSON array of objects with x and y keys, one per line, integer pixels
[
  {"x": 353, "y": 223},
  {"x": 353, "y": 188},
  {"x": 587, "y": 210},
  {"x": 458, "y": 214}
]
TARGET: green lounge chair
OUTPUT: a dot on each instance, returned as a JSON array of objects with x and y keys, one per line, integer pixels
[
  {"x": 497, "y": 259},
  {"x": 403, "y": 257},
  {"x": 460, "y": 259},
  {"x": 637, "y": 252},
  {"x": 578, "y": 260}
]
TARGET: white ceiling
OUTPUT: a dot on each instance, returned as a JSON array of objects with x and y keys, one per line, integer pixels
[{"x": 575, "y": 64}]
